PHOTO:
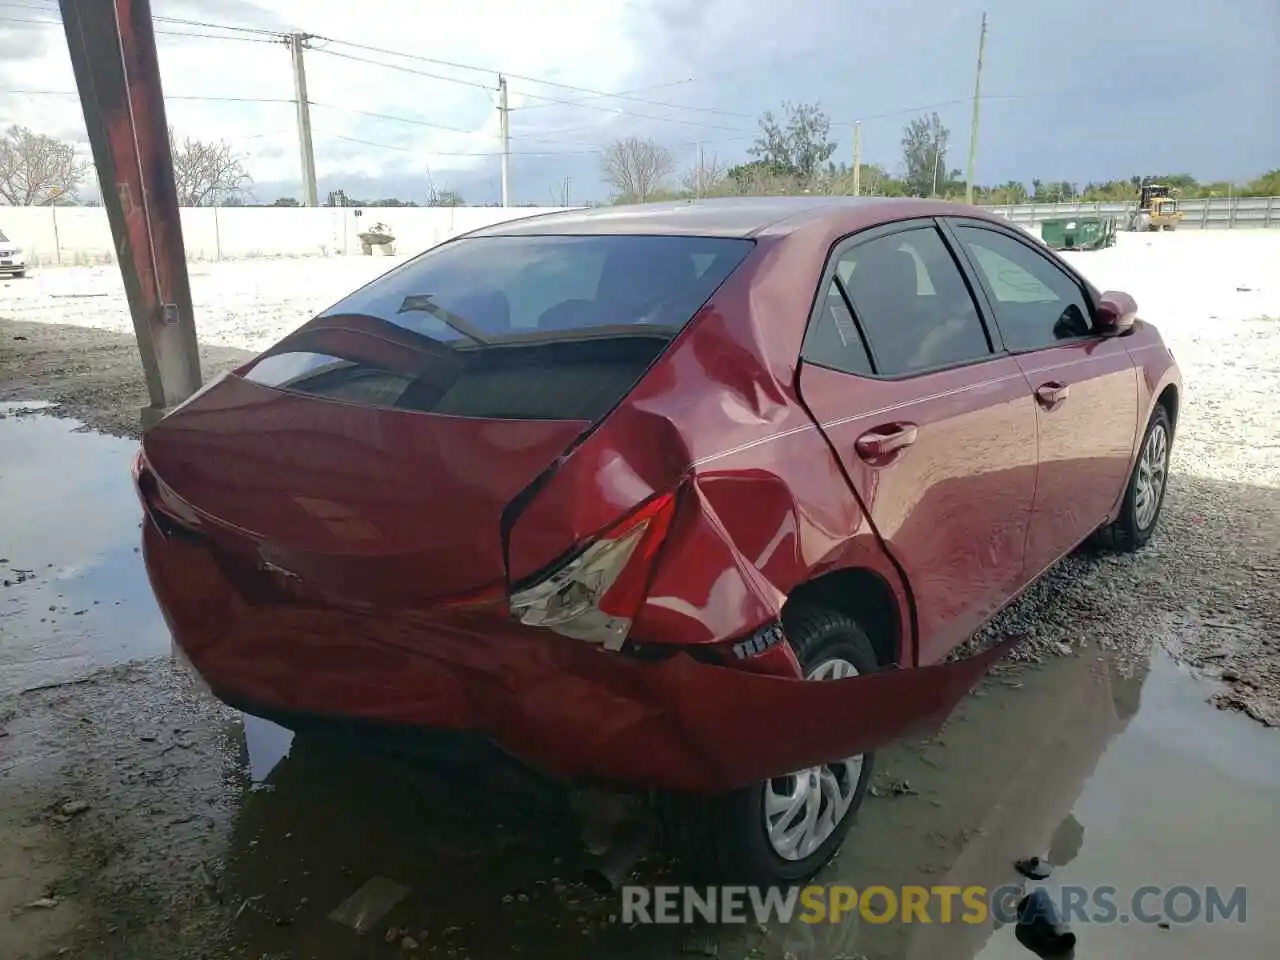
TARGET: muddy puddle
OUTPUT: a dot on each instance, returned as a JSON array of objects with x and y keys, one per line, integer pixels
[
  {"x": 75, "y": 595},
  {"x": 214, "y": 835}
]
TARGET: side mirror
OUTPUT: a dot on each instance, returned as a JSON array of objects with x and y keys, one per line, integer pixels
[{"x": 1116, "y": 313}]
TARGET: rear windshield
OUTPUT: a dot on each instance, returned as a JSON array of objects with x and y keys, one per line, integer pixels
[{"x": 529, "y": 327}]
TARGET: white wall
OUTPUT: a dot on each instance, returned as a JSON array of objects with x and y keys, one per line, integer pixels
[{"x": 72, "y": 236}]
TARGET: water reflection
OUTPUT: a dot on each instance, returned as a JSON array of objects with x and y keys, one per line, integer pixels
[
  {"x": 77, "y": 596},
  {"x": 1116, "y": 771}
]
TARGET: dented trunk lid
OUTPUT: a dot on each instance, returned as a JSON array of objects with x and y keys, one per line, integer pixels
[{"x": 371, "y": 454}]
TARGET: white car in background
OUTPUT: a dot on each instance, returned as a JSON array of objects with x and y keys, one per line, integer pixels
[{"x": 12, "y": 260}]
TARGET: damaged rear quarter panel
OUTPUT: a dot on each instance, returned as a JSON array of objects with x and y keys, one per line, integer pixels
[{"x": 765, "y": 507}]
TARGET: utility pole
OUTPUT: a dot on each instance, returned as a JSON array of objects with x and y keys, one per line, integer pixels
[
  {"x": 504, "y": 114},
  {"x": 113, "y": 56},
  {"x": 973, "y": 124},
  {"x": 857, "y": 158},
  {"x": 297, "y": 43},
  {"x": 697, "y": 184}
]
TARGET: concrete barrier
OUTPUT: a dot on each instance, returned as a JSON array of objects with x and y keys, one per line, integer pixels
[{"x": 80, "y": 236}]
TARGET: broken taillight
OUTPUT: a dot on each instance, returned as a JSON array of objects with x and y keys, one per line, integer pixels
[{"x": 596, "y": 594}]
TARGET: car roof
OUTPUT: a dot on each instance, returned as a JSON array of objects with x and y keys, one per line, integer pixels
[{"x": 721, "y": 217}]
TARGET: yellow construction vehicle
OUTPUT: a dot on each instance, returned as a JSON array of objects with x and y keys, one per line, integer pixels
[{"x": 1157, "y": 209}]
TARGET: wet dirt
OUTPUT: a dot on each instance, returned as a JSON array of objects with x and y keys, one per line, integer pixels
[
  {"x": 92, "y": 375},
  {"x": 194, "y": 832}
]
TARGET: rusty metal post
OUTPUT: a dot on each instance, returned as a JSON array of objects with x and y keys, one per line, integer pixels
[{"x": 113, "y": 54}]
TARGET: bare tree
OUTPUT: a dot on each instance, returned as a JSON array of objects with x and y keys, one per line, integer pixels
[
  {"x": 636, "y": 167},
  {"x": 704, "y": 177},
  {"x": 445, "y": 198},
  {"x": 37, "y": 170},
  {"x": 207, "y": 172}
]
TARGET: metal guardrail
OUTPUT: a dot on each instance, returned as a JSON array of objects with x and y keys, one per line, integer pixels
[{"x": 1216, "y": 213}]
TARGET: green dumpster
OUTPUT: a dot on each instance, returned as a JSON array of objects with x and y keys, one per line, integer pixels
[{"x": 1078, "y": 233}]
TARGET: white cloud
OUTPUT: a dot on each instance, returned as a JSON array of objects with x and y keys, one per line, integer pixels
[
  {"x": 1101, "y": 109},
  {"x": 520, "y": 37}
]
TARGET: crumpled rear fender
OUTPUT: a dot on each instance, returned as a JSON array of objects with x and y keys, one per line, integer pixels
[
  {"x": 696, "y": 727},
  {"x": 563, "y": 706},
  {"x": 748, "y": 727}
]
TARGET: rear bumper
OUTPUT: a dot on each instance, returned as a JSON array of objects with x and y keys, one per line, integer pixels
[{"x": 561, "y": 706}]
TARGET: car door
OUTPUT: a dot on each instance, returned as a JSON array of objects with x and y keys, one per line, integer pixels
[
  {"x": 1085, "y": 385},
  {"x": 934, "y": 425}
]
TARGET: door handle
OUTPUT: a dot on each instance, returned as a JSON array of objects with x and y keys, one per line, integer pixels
[
  {"x": 884, "y": 440},
  {"x": 1050, "y": 394}
]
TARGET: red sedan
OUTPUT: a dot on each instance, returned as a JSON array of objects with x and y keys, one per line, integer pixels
[{"x": 611, "y": 488}]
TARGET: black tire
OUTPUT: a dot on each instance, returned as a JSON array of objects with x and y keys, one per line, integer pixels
[
  {"x": 723, "y": 838},
  {"x": 1126, "y": 534}
]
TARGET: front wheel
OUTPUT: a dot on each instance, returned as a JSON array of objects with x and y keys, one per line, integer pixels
[
  {"x": 785, "y": 829},
  {"x": 1144, "y": 497}
]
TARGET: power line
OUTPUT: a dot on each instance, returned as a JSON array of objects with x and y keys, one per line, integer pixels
[
  {"x": 907, "y": 110},
  {"x": 461, "y": 153},
  {"x": 167, "y": 96},
  {"x": 52, "y": 9},
  {"x": 390, "y": 116},
  {"x": 266, "y": 35},
  {"x": 415, "y": 121},
  {"x": 623, "y": 95},
  {"x": 214, "y": 36},
  {"x": 535, "y": 96},
  {"x": 395, "y": 66},
  {"x": 220, "y": 26},
  {"x": 30, "y": 21}
]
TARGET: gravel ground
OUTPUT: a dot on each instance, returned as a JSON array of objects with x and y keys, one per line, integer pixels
[{"x": 138, "y": 874}]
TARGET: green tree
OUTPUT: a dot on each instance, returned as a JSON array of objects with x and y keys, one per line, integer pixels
[
  {"x": 924, "y": 155},
  {"x": 798, "y": 143},
  {"x": 1267, "y": 185},
  {"x": 1061, "y": 191}
]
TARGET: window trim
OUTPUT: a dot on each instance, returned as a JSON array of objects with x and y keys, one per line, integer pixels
[
  {"x": 1087, "y": 291},
  {"x": 851, "y": 241}
]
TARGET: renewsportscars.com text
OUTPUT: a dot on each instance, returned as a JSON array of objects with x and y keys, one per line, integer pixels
[{"x": 836, "y": 903}]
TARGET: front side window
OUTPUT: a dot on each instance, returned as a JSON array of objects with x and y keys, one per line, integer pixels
[
  {"x": 524, "y": 327},
  {"x": 1035, "y": 303},
  {"x": 912, "y": 300}
]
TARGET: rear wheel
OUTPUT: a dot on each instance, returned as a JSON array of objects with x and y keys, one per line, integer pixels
[
  {"x": 1144, "y": 497},
  {"x": 785, "y": 829}
]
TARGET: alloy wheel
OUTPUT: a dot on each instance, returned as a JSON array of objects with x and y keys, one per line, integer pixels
[{"x": 1153, "y": 469}]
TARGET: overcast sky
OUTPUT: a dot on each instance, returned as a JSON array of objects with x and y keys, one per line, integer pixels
[{"x": 1087, "y": 90}]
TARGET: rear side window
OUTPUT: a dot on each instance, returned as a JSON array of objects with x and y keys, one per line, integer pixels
[
  {"x": 1036, "y": 304},
  {"x": 528, "y": 327},
  {"x": 833, "y": 339},
  {"x": 913, "y": 303}
]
